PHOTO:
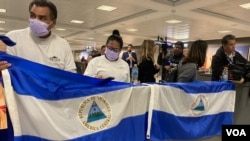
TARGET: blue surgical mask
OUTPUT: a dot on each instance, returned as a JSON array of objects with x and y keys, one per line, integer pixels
[
  {"x": 111, "y": 55},
  {"x": 39, "y": 28}
]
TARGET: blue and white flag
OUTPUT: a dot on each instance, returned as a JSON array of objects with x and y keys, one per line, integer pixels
[
  {"x": 49, "y": 104},
  {"x": 188, "y": 111}
]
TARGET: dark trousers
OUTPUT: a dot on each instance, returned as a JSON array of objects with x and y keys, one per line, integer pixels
[{"x": 7, "y": 134}]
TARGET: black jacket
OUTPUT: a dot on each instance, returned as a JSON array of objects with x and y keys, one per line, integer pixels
[
  {"x": 125, "y": 55},
  {"x": 219, "y": 60},
  {"x": 147, "y": 71}
]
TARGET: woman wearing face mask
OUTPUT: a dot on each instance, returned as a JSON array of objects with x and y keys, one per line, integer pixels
[{"x": 109, "y": 64}]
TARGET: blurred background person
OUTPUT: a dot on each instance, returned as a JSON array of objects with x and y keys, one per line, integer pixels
[
  {"x": 146, "y": 64},
  {"x": 224, "y": 56},
  {"x": 102, "y": 51},
  {"x": 173, "y": 59},
  {"x": 94, "y": 53},
  {"x": 130, "y": 57},
  {"x": 188, "y": 67},
  {"x": 83, "y": 65},
  {"x": 3, "y": 115},
  {"x": 162, "y": 58},
  {"x": 185, "y": 52},
  {"x": 110, "y": 65}
]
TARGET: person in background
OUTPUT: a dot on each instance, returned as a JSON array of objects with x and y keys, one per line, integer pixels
[
  {"x": 146, "y": 64},
  {"x": 92, "y": 54},
  {"x": 110, "y": 65},
  {"x": 83, "y": 66},
  {"x": 188, "y": 66},
  {"x": 6, "y": 130},
  {"x": 95, "y": 53},
  {"x": 173, "y": 59},
  {"x": 103, "y": 48},
  {"x": 130, "y": 57},
  {"x": 37, "y": 42},
  {"x": 3, "y": 115},
  {"x": 224, "y": 56},
  {"x": 185, "y": 52},
  {"x": 162, "y": 58}
]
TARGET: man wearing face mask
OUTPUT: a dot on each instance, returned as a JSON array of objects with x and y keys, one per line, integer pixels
[
  {"x": 110, "y": 65},
  {"x": 37, "y": 43}
]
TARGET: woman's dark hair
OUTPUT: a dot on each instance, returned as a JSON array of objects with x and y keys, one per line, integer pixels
[
  {"x": 116, "y": 37},
  {"x": 197, "y": 53},
  {"x": 45, "y": 3},
  {"x": 103, "y": 46},
  {"x": 226, "y": 38}
]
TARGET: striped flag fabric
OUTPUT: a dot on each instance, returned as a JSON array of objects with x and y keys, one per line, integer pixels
[
  {"x": 47, "y": 104},
  {"x": 184, "y": 111}
]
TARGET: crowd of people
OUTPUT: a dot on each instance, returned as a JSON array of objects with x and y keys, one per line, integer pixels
[{"x": 49, "y": 49}]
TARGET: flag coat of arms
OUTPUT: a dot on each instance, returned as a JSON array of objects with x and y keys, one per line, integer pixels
[
  {"x": 49, "y": 104},
  {"x": 184, "y": 111}
]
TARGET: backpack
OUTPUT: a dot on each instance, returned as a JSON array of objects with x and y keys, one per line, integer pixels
[{"x": 172, "y": 75}]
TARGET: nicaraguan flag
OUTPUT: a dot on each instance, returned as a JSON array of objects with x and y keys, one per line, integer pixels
[
  {"x": 188, "y": 111},
  {"x": 49, "y": 104}
]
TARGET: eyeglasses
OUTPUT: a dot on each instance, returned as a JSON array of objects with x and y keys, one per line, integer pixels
[{"x": 113, "y": 49}]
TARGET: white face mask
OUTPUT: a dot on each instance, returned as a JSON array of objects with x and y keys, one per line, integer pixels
[
  {"x": 111, "y": 55},
  {"x": 38, "y": 28}
]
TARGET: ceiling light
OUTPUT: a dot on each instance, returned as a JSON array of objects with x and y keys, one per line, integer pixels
[
  {"x": 224, "y": 31},
  {"x": 61, "y": 29},
  {"x": 2, "y": 21},
  {"x": 106, "y": 8},
  {"x": 2, "y": 10},
  {"x": 246, "y": 6},
  {"x": 132, "y": 29},
  {"x": 77, "y": 21},
  {"x": 173, "y": 21}
]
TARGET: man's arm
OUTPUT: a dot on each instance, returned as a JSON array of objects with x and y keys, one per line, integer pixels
[
  {"x": 216, "y": 67},
  {"x": 135, "y": 57},
  {"x": 124, "y": 56},
  {"x": 167, "y": 62}
]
